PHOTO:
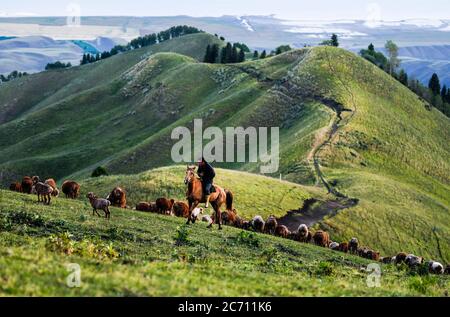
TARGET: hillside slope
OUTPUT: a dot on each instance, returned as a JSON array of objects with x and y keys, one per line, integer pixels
[
  {"x": 138, "y": 254},
  {"x": 341, "y": 119}
]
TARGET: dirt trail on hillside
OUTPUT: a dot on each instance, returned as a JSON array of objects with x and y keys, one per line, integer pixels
[{"x": 314, "y": 211}]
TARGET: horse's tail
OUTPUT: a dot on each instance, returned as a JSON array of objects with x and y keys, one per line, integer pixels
[{"x": 229, "y": 200}]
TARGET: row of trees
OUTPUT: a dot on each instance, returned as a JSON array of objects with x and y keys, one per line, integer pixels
[
  {"x": 143, "y": 41},
  {"x": 13, "y": 75},
  {"x": 436, "y": 95},
  {"x": 57, "y": 65},
  {"x": 228, "y": 54}
]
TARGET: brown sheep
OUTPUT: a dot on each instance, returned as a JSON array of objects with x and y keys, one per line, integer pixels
[
  {"x": 145, "y": 206},
  {"x": 16, "y": 187},
  {"x": 181, "y": 209},
  {"x": 246, "y": 225},
  {"x": 321, "y": 238},
  {"x": 44, "y": 190},
  {"x": 229, "y": 217},
  {"x": 71, "y": 189},
  {"x": 164, "y": 206},
  {"x": 238, "y": 223},
  {"x": 27, "y": 185},
  {"x": 99, "y": 203},
  {"x": 118, "y": 198},
  {"x": 373, "y": 255},
  {"x": 343, "y": 247},
  {"x": 51, "y": 182},
  {"x": 282, "y": 231},
  {"x": 353, "y": 245},
  {"x": 271, "y": 225},
  {"x": 400, "y": 258}
]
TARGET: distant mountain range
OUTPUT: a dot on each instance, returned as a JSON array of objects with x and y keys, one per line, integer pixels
[{"x": 426, "y": 41}]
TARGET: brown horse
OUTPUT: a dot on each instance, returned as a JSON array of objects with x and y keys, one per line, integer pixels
[{"x": 196, "y": 196}]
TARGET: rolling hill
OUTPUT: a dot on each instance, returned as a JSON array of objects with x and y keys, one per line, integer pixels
[
  {"x": 344, "y": 125},
  {"x": 139, "y": 254}
]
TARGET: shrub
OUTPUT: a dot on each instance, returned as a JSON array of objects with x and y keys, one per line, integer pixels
[
  {"x": 248, "y": 238},
  {"x": 24, "y": 218},
  {"x": 324, "y": 269},
  {"x": 182, "y": 235},
  {"x": 64, "y": 243},
  {"x": 99, "y": 171}
]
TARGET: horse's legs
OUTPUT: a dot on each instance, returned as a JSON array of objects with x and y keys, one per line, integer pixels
[
  {"x": 192, "y": 206},
  {"x": 218, "y": 215}
]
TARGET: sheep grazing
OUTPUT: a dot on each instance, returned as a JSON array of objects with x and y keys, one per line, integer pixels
[
  {"x": 343, "y": 247},
  {"x": 16, "y": 187},
  {"x": 229, "y": 217},
  {"x": 282, "y": 231},
  {"x": 413, "y": 260},
  {"x": 373, "y": 255},
  {"x": 51, "y": 182},
  {"x": 44, "y": 190},
  {"x": 146, "y": 207},
  {"x": 362, "y": 252},
  {"x": 181, "y": 209},
  {"x": 246, "y": 225},
  {"x": 353, "y": 245},
  {"x": 334, "y": 246},
  {"x": 195, "y": 214},
  {"x": 118, "y": 198},
  {"x": 303, "y": 234},
  {"x": 164, "y": 206},
  {"x": 400, "y": 258},
  {"x": 447, "y": 269},
  {"x": 207, "y": 219},
  {"x": 386, "y": 260},
  {"x": 271, "y": 225},
  {"x": 238, "y": 223},
  {"x": 99, "y": 204},
  {"x": 258, "y": 224},
  {"x": 71, "y": 189},
  {"x": 435, "y": 267},
  {"x": 27, "y": 185},
  {"x": 321, "y": 238}
]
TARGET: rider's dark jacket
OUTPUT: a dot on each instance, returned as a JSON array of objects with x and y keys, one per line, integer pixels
[{"x": 206, "y": 172}]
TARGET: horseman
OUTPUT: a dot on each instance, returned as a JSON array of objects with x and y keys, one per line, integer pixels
[{"x": 206, "y": 173}]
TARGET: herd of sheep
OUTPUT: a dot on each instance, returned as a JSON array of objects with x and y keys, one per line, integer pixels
[{"x": 117, "y": 198}]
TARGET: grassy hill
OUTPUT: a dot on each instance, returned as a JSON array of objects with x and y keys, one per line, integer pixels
[
  {"x": 138, "y": 254},
  {"x": 340, "y": 118},
  {"x": 253, "y": 194}
]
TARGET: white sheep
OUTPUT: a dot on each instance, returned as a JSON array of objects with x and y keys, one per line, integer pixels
[
  {"x": 258, "y": 223},
  {"x": 207, "y": 219},
  {"x": 334, "y": 246},
  {"x": 196, "y": 213},
  {"x": 435, "y": 267},
  {"x": 413, "y": 260}
]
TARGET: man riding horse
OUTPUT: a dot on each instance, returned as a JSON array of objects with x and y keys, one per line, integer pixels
[
  {"x": 206, "y": 173},
  {"x": 202, "y": 190}
]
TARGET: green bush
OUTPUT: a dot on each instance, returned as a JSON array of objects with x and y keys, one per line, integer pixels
[
  {"x": 249, "y": 238},
  {"x": 182, "y": 235},
  {"x": 99, "y": 171}
]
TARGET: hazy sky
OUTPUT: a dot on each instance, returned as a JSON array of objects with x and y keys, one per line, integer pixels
[{"x": 288, "y": 9}]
